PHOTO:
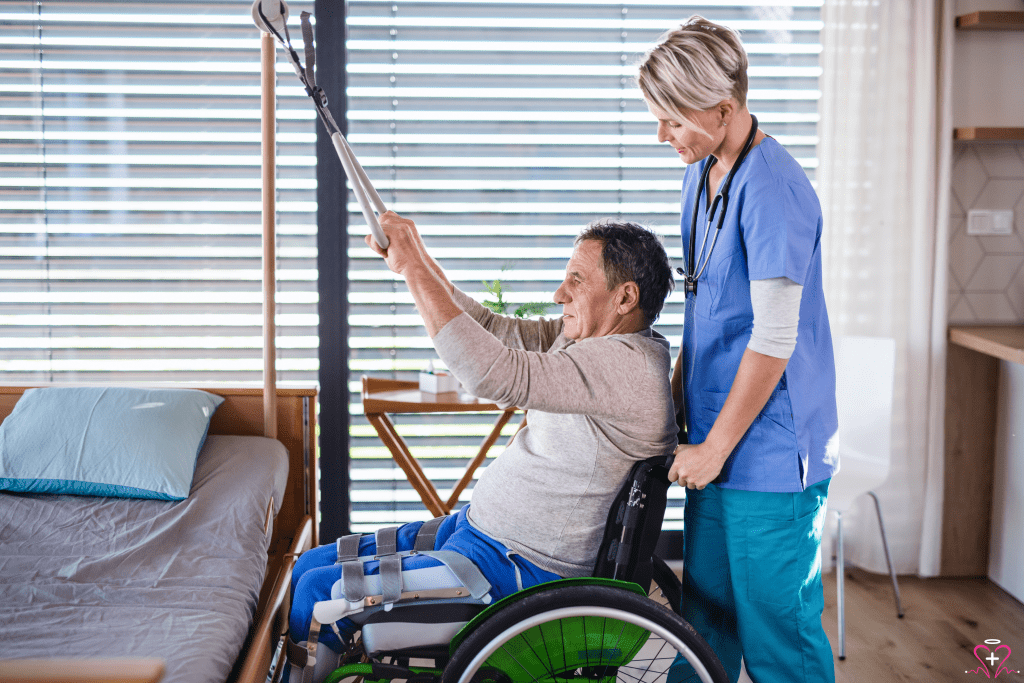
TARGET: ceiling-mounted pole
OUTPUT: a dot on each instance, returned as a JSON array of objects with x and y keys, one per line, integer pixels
[{"x": 268, "y": 117}]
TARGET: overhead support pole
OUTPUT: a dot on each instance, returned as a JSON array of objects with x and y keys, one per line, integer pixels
[{"x": 268, "y": 117}]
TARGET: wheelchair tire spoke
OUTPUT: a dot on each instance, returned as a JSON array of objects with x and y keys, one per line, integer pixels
[
  {"x": 545, "y": 663},
  {"x": 657, "y": 657},
  {"x": 505, "y": 649},
  {"x": 547, "y": 652}
]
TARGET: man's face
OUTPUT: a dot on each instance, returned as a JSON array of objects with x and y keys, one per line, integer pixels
[{"x": 588, "y": 308}]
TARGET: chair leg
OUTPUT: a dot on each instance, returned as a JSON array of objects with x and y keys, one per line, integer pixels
[
  {"x": 840, "y": 570},
  {"x": 888, "y": 561}
]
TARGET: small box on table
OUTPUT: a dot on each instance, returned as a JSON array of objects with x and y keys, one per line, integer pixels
[{"x": 438, "y": 383}]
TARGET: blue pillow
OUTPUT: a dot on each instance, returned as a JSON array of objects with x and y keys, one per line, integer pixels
[{"x": 105, "y": 441}]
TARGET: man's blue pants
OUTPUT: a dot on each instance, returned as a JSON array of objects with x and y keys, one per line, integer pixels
[{"x": 752, "y": 582}]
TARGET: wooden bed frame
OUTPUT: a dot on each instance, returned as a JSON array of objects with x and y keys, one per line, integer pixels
[{"x": 295, "y": 530}]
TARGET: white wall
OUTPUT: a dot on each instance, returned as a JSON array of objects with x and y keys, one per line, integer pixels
[
  {"x": 1006, "y": 544},
  {"x": 986, "y": 274}
]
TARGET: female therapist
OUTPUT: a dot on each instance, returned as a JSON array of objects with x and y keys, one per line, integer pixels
[{"x": 755, "y": 374}]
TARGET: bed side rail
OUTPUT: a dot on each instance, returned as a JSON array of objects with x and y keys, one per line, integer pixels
[{"x": 260, "y": 649}]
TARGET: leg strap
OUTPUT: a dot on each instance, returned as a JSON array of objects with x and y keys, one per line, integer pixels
[
  {"x": 387, "y": 541},
  {"x": 390, "y": 565},
  {"x": 427, "y": 534},
  {"x": 465, "y": 571},
  {"x": 390, "y": 579},
  {"x": 392, "y": 584},
  {"x": 352, "y": 580},
  {"x": 348, "y": 548},
  {"x": 351, "y": 567}
]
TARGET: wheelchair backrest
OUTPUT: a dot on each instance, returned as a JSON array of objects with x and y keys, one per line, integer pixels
[{"x": 634, "y": 523}]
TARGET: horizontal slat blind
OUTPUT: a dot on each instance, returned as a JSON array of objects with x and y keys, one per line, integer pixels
[
  {"x": 502, "y": 128},
  {"x": 130, "y": 196}
]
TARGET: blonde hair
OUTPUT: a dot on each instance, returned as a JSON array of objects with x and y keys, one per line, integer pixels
[{"x": 694, "y": 67}]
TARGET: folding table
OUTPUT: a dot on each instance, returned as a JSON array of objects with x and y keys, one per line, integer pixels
[{"x": 383, "y": 396}]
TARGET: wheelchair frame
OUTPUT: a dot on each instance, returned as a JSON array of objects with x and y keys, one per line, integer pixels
[{"x": 626, "y": 564}]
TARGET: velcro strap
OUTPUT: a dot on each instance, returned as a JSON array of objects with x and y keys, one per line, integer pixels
[
  {"x": 387, "y": 541},
  {"x": 348, "y": 548},
  {"x": 314, "y": 636},
  {"x": 465, "y": 571},
  {"x": 307, "y": 39},
  {"x": 427, "y": 534},
  {"x": 390, "y": 579},
  {"x": 297, "y": 654},
  {"x": 352, "y": 580}
]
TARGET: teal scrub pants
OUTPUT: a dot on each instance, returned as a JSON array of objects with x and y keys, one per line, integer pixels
[{"x": 752, "y": 582}]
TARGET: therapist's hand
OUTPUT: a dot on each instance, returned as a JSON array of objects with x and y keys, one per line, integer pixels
[{"x": 696, "y": 465}]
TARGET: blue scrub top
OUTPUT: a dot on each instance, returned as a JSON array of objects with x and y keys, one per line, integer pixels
[{"x": 772, "y": 229}]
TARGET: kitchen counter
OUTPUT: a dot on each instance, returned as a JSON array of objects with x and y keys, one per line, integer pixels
[
  {"x": 973, "y": 360},
  {"x": 1005, "y": 342}
]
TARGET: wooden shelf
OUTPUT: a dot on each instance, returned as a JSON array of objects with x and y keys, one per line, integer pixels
[
  {"x": 990, "y": 134},
  {"x": 991, "y": 21}
]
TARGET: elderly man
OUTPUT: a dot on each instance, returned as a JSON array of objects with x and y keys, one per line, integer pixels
[{"x": 594, "y": 383}]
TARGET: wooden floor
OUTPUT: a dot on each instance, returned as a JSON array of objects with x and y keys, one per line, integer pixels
[{"x": 944, "y": 620}]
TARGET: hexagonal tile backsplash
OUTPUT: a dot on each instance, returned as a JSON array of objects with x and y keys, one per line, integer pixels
[{"x": 986, "y": 274}]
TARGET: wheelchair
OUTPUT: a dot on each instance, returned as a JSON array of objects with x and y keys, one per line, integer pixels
[{"x": 607, "y": 627}]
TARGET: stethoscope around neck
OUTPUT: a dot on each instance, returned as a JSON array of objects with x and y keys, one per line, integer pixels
[{"x": 696, "y": 264}]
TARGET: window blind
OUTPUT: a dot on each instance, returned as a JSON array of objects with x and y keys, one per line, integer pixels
[
  {"x": 130, "y": 225},
  {"x": 502, "y": 128}
]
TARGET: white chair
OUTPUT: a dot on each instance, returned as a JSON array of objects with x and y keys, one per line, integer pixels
[{"x": 864, "y": 387}]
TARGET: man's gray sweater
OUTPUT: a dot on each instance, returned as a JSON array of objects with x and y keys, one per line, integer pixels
[{"x": 595, "y": 407}]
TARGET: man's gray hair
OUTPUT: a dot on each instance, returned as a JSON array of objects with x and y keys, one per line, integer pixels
[{"x": 632, "y": 253}]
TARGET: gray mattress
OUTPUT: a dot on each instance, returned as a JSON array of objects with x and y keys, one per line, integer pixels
[{"x": 110, "y": 577}]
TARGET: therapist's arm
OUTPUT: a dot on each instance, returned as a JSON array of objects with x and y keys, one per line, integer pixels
[
  {"x": 698, "y": 465},
  {"x": 776, "y": 305}
]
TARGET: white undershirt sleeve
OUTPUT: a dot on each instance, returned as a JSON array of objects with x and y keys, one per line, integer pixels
[{"x": 776, "y": 304}]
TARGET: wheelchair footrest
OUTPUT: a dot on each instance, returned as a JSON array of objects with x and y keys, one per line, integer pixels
[
  {"x": 416, "y": 626},
  {"x": 375, "y": 671}
]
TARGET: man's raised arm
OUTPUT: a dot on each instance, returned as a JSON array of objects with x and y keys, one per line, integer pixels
[
  {"x": 407, "y": 256},
  {"x": 435, "y": 296}
]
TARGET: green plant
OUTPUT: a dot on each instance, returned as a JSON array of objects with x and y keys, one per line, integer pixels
[{"x": 501, "y": 307}]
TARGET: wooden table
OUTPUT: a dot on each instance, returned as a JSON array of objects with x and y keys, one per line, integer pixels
[
  {"x": 383, "y": 396},
  {"x": 972, "y": 383}
]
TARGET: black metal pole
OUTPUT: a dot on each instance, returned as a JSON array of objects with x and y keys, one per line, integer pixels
[{"x": 332, "y": 264}]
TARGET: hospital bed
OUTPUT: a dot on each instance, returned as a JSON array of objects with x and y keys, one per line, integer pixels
[
  {"x": 101, "y": 588},
  {"x": 193, "y": 591}
]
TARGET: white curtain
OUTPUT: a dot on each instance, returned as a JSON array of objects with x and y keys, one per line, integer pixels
[{"x": 883, "y": 150}]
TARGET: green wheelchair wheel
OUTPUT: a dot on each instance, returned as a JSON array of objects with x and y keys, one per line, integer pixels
[{"x": 581, "y": 633}]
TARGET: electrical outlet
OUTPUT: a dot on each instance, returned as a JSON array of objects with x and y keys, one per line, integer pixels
[{"x": 986, "y": 222}]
